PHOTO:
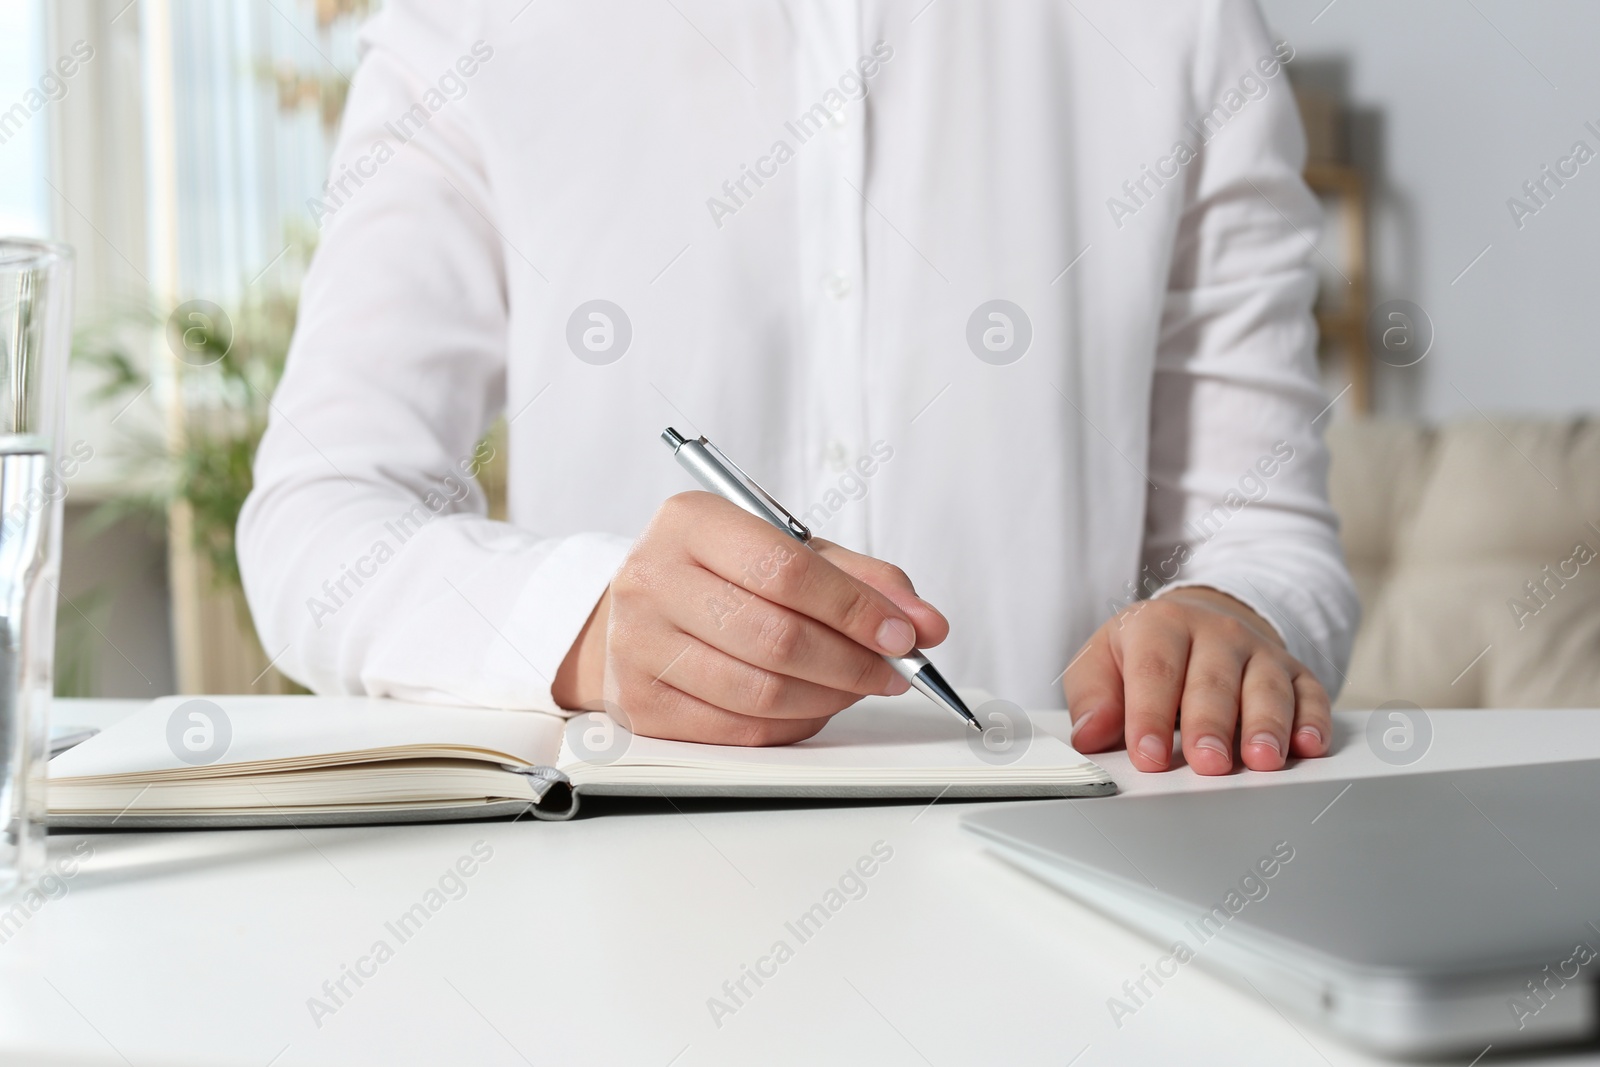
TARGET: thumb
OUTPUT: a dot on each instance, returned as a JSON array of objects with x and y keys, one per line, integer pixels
[
  {"x": 931, "y": 625},
  {"x": 1093, "y": 688}
]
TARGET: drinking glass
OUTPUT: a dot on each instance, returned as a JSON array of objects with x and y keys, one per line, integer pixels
[{"x": 35, "y": 337}]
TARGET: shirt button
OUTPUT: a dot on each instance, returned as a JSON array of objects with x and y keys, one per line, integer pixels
[
  {"x": 837, "y": 118},
  {"x": 838, "y": 455},
  {"x": 837, "y": 284}
]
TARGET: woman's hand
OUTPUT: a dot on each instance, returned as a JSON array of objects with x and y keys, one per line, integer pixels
[
  {"x": 1202, "y": 655},
  {"x": 722, "y": 629}
]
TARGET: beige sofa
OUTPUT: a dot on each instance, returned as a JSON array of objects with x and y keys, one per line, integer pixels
[{"x": 1476, "y": 552}]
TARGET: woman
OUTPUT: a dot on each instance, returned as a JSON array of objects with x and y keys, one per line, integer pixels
[{"x": 1011, "y": 298}]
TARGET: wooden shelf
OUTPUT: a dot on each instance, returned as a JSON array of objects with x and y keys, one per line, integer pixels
[{"x": 1342, "y": 322}]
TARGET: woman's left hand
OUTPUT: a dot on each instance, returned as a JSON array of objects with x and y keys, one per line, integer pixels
[{"x": 1201, "y": 655}]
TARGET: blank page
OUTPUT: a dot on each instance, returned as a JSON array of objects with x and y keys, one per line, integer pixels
[
  {"x": 300, "y": 731},
  {"x": 889, "y": 739}
]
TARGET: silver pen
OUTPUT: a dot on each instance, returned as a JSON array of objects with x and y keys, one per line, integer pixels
[{"x": 720, "y": 475}]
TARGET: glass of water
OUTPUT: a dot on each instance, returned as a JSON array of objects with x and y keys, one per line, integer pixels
[{"x": 35, "y": 337}]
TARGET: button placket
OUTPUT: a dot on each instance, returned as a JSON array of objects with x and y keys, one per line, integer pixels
[{"x": 832, "y": 258}]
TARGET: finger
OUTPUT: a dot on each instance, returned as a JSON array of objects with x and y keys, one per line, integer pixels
[
  {"x": 1266, "y": 712},
  {"x": 696, "y": 668},
  {"x": 759, "y": 632},
  {"x": 931, "y": 625},
  {"x": 1313, "y": 718},
  {"x": 1210, "y": 704},
  {"x": 1154, "y": 652},
  {"x": 659, "y": 709},
  {"x": 1092, "y": 685},
  {"x": 756, "y": 556}
]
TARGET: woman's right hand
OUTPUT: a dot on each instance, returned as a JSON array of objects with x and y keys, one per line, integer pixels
[{"x": 720, "y": 628}]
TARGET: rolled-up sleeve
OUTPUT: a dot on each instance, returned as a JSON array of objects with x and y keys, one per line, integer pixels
[
  {"x": 368, "y": 560},
  {"x": 1238, "y": 466}
]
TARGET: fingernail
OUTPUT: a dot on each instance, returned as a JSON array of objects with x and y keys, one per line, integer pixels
[
  {"x": 1217, "y": 745},
  {"x": 1269, "y": 740},
  {"x": 897, "y": 685},
  {"x": 1151, "y": 748},
  {"x": 1083, "y": 720},
  {"x": 896, "y": 637},
  {"x": 1311, "y": 735}
]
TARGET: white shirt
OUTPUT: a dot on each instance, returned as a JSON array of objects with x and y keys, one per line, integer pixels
[{"x": 1152, "y": 413}]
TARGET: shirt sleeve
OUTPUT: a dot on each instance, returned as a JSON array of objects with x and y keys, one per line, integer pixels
[
  {"x": 1238, "y": 466},
  {"x": 367, "y": 557}
]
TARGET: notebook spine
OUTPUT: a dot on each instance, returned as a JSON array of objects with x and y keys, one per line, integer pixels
[{"x": 555, "y": 798}]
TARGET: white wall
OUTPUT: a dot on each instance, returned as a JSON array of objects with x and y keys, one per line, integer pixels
[{"x": 1457, "y": 104}]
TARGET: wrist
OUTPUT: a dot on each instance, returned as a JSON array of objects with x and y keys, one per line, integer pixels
[{"x": 580, "y": 681}]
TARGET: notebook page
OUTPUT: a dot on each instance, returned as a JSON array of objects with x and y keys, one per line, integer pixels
[
  {"x": 878, "y": 736},
  {"x": 276, "y": 728}
]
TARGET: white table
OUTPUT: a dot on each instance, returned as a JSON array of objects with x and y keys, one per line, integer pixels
[{"x": 600, "y": 940}]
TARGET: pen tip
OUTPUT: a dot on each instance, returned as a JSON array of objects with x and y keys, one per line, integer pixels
[{"x": 946, "y": 695}]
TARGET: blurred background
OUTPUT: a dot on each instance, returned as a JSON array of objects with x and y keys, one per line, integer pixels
[{"x": 180, "y": 153}]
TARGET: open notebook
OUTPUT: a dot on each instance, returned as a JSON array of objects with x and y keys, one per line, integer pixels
[{"x": 276, "y": 761}]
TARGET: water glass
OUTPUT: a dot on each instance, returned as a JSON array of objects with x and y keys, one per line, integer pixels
[{"x": 35, "y": 337}]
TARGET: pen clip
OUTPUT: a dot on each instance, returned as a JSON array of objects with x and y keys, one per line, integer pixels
[{"x": 796, "y": 527}]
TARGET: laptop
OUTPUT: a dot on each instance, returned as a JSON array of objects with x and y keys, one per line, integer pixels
[{"x": 1414, "y": 915}]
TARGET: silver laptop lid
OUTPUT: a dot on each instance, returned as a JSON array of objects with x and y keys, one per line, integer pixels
[{"x": 1442, "y": 875}]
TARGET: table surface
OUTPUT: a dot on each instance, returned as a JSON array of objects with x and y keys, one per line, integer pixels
[{"x": 604, "y": 940}]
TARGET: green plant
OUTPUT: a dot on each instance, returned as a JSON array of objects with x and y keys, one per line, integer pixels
[
  {"x": 78, "y": 628},
  {"x": 229, "y": 367},
  {"x": 190, "y": 398}
]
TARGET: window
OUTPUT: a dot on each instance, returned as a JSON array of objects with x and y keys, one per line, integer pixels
[{"x": 24, "y": 116}]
